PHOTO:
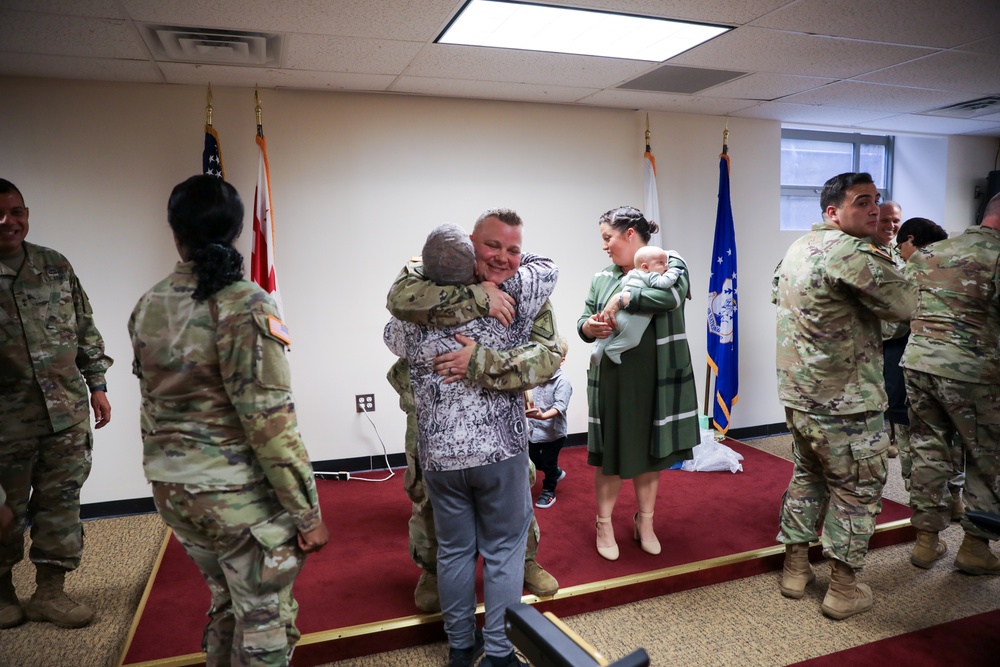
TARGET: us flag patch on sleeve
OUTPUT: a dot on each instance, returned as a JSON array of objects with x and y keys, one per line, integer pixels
[{"x": 278, "y": 329}]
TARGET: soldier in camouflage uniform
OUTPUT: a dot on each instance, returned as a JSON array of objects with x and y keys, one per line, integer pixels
[
  {"x": 221, "y": 444},
  {"x": 415, "y": 299},
  {"x": 914, "y": 233},
  {"x": 832, "y": 289},
  {"x": 51, "y": 354},
  {"x": 952, "y": 369}
]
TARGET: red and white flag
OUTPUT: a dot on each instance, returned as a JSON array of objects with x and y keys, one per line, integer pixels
[
  {"x": 650, "y": 198},
  {"x": 262, "y": 253}
]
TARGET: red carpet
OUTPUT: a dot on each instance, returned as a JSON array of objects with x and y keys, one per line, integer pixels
[
  {"x": 970, "y": 642},
  {"x": 364, "y": 577}
]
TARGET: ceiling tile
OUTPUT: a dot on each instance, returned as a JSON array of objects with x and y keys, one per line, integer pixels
[
  {"x": 636, "y": 99},
  {"x": 489, "y": 90},
  {"x": 66, "y": 67},
  {"x": 856, "y": 95},
  {"x": 766, "y": 86},
  {"x": 948, "y": 70},
  {"x": 802, "y": 113},
  {"x": 764, "y": 50},
  {"x": 388, "y": 19},
  {"x": 989, "y": 45},
  {"x": 31, "y": 32},
  {"x": 348, "y": 54},
  {"x": 272, "y": 78},
  {"x": 102, "y": 8},
  {"x": 921, "y": 22},
  {"x": 929, "y": 124}
]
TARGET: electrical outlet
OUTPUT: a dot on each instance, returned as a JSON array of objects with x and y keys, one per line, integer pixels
[{"x": 364, "y": 402}]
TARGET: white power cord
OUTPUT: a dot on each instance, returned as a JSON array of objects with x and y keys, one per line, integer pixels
[{"x": 346, "y": 476}]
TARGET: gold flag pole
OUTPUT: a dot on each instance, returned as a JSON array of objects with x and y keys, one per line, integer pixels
[
  {"x": 208, "y": 106},
  {"x": 256, "y": 108},
  {"x": 708, "y": 367}
]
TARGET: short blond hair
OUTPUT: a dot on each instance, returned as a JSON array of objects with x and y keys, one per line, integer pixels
[{"x": 648, "y": 253}]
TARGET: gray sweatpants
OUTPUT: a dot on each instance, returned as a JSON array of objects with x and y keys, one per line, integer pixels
[{"x": 486, "y": 509}]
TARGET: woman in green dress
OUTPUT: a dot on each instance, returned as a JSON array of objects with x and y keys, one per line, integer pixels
[{"x": 643, "y": 413}]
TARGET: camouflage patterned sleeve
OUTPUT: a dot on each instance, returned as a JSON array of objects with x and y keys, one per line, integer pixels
[
  {"x": 521, "y": 367},
  {"x": 90, "y": 357},
  {"x": 414, "y": 298},
  {"x": 871, "y": 275},
  {"x": 257, "y": 379}
]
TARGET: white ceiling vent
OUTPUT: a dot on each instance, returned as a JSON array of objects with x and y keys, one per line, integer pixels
[
  {"x": 971, "y": 109},
  {"x": 212, "y": 47}
]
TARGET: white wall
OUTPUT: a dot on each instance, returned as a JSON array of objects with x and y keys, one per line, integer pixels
[
  {"x": 917, "y": 185},
  {"x": 357, "y": 182}
]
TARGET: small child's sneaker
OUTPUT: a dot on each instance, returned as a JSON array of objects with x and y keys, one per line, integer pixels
[
  {"x": 562, "y": 475},
  {"x": 545, "y": 499}
]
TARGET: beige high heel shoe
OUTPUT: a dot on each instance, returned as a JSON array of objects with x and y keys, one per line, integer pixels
[
  {"x": 610, "y": 553},
  {"x": 649, "y": 546}
]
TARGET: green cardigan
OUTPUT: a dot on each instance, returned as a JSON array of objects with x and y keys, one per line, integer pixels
[{"x": 675, "y": 431}]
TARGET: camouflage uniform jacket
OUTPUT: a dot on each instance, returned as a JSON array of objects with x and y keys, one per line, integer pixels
[
  {"x": 217, "y": 410},
  {"x": 414, "y": 298},
  {"x": 956, "y": 328},
  {"x": 465, "y": 425},
  {"x": 50, "y": 348},
  {"x": 831, "y": 290}
]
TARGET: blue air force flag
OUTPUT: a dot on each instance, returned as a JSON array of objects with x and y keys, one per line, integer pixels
[{"x": 723, "y": 330}]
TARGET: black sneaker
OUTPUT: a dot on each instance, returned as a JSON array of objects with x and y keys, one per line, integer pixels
[
  {"x": 466, "y": 657},
  {"x": 512, "y": 659},
  {"x": 545, "y": 499},
  {"x": 562, "y": 475}
]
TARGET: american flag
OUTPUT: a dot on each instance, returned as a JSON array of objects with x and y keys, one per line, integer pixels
[{"x": 211, "y": 157}]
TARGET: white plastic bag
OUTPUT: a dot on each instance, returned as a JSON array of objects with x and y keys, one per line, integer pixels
[{"x": 712, "y": 455}]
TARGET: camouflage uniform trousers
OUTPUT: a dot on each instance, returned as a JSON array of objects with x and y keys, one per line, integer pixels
[
  {"x": 902, "y": 440},
  {"x": 423, "y": 538},
  {"x": 246, "y": 549},
  {"x": 840, "y": 469},
  {"x": 51, "y": 470},
  {"x": 942, "y": 412}
]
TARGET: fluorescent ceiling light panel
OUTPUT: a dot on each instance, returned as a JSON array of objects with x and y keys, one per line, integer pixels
[{"x": 515, "y": 25}]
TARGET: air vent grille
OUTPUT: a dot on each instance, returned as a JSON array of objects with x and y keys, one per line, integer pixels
[
  {"x": 971, "y": 109},
  {"x": 212, "y": 47}
]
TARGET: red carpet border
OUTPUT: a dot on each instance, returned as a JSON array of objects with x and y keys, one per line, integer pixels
[
  {"x": 970, "y": 642},
  {"x": 356, "y": 596}
]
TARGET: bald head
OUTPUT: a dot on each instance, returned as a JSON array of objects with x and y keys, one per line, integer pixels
[{"x": 991, "y": 216}]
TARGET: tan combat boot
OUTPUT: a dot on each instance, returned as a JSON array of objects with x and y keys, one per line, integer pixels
[
  {"x": 50, "y": 602},
  {"x": 957, "y": 506},
  {"x": 798, "y": 573},
  {"x": 927, "y": 549},
  {"x": 845, "y": 597},
  {"x": 975, "y": 557},
  {"x": 538, "y": 581},
  {"x": 11, "y": 613},
  {"x": 425, "y": 595}
]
